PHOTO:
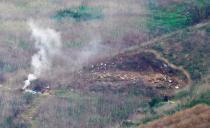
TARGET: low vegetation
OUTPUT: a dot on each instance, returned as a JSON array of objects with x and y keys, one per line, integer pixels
[
  {"x": 81, "y": 13},
  {"x": 85, "y": 110},
  {"x": 184, "y": 50},
  {"x": 114, "y": 89},
  {"x": 176, "y": 15}
]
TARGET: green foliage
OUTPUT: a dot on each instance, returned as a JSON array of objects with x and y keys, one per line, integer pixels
[
  {"x": 167, "y": 20},
  {"x": 24, "y": 45},
  {"x": 149, "y": 119},
  {"x": 81, "y": 13},
  {"x": 10, "y": 109},
  {"x": 201, "y": 99},
  {"x": 176, "y": 15},
  {"x": 73, "y": 44},
  {"x": 28, "y": 98},
  {"x": 6, "y": 67},
  {"x": 158, "y": 47},
  {"x": 9, "y": 123},
  {"x": 155, "y": 101},
  {"x": 181, "y": 94},
  {"x": 98, "y": 120},
  {"x": 208, "y": 29}
]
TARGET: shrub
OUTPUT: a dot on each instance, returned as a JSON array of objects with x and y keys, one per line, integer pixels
[
  {"x": 81, "y": 13},
  {"x": 155, "y": 101}
]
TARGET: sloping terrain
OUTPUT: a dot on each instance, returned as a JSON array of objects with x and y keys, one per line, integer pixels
[
  {"x": 174, "y": 47},
  {"x": 196, "y": 117},
  {"x": 141, "y": 70},
  {"x": 122, "y": 64}
]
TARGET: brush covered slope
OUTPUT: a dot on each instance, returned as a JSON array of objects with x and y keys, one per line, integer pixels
[
  {"x": 196, "y": 117},
  {"x": 120, "y": 64}
]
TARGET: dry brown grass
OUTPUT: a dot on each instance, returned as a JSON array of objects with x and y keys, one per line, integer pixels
[{"x": 196, "y": 117}]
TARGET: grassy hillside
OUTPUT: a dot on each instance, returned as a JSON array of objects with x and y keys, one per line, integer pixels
[
  {"x": 176, "y": 15},
  {"x": 122, "y": 64}
]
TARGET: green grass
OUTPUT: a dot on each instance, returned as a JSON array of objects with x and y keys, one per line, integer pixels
[
  {"x": 6, "y": 67},
  {"x": 81, "y": 13},
  {"x": 181, "y": 94},
  {"x": 201, "y": 99},
  {"x": 24, "y": 45},
  {"x": 174, "y": 16},
  {"x": 73, "y": 44},
  {"x": 155, "y": 102}
]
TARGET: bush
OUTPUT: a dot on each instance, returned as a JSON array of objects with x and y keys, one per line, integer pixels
[
  {"x": 155, "y": 101},
  {"x": 6, "y": 67},
  {"x": 81, "y": 13},
  {"x": 24, "y": 44}
]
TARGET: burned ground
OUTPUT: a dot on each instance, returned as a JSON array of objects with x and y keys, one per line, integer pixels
[
  {"x": 40, "y": 86},
  {"x": 140, "y": 73}
]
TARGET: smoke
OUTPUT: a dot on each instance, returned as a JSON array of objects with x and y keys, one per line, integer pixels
[
  {"x": 48, "y": 44},
  {"x": 27, "y": 82},
  {"x": 90, "y": 51}
]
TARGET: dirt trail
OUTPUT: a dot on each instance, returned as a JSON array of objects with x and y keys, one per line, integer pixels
[
  {"x": 27, "y": 115},
  {"x": 32, "y": 108},
  {"x": 144, "y": 48},
  {"x": 145, "y": 44},
  {"x": 185, "y": 72}
]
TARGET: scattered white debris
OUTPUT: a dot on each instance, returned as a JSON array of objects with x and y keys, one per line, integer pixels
[
  {"x": 165, "y": 65},
  {"x": 177, "y": 87},
  {"x": 164, "y": 77},
  {"x": 122, "y": 78},
  {"x": 170, "y": 81},
  {"x": 30, "y": 91}
]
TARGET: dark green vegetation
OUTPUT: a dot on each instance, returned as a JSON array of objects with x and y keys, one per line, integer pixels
[
  {"x": 5, "y": 67},
  {"x": 74, "y": 44},
  {"x": 81, "y": 13},
  {"x": 155, "y": 102},
  {"x": 176, "y": 15}
]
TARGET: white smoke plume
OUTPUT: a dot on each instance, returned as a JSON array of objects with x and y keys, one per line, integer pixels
[{"x": 48, "y": 43}]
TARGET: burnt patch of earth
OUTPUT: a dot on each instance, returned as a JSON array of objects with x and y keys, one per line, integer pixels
[
  {"x": 137, "y": 73},
  {"x": 40, "y": 86},
  {"x": 136, "y": 62}
]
